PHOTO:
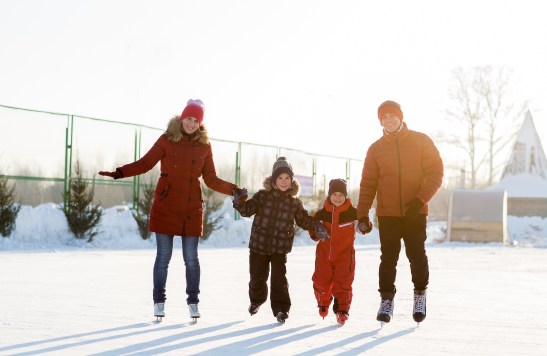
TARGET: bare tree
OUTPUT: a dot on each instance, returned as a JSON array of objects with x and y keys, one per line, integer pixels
[{"x": 482, "y": 107}]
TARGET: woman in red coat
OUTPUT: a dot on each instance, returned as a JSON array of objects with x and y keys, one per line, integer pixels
[{"x": 185, "y": 155}]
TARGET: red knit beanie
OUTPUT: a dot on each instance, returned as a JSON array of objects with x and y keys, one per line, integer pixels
[
  {"x": 195, "y": 109},
  {"x": 390, "y": 106}
]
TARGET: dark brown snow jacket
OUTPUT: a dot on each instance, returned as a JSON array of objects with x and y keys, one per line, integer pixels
[{"x": 275, "y": 214}]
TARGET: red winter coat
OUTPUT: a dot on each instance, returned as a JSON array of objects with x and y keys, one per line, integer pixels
[
  {"x": 335, "y": 257},
  {"x": 178, "y": 204}
]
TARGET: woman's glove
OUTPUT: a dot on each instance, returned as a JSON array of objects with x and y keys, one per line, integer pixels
[{"x": 117, "y": 174}]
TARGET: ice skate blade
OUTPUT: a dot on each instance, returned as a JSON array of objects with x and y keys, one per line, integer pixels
[{"x": 159, "y": 319}]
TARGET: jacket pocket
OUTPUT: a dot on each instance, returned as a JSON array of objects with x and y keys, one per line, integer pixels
[
  {"x": 287, "y": 234},
  {"x": 162, "y": 190}
]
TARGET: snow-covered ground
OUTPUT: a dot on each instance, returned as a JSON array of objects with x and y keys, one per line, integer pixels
[{"x": 61, "y": 296}]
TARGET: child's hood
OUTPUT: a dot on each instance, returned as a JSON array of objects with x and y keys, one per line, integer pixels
[{"x": 268, "y": 186}]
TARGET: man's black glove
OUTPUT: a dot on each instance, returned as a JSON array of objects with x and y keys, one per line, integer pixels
[
  {"x": 414, "y": 208},
  {"x": 240, "y": 195},
  {"x": 364, "y": 226},
  {"x": 320, "y": 232}
]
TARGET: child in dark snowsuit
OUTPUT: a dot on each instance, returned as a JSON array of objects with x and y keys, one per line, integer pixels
[
  {"x": 335, "y": 257},
  {"x": 276, "y": 208}
]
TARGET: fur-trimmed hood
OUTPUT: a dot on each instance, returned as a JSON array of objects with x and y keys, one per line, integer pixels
[
  {"x": 268, "y": 186},
  {"x": 175, "y": 132}
]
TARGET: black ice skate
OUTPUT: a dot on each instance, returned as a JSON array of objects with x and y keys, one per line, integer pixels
[
  {"x": 253, "y": 308},
  {"x": 385, "y": 313},
  {"x": 282, "y": 316},
  {"x": 418, "y": 312}
]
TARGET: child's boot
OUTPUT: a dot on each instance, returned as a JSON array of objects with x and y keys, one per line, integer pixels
[
  {"x": 341, "y": 317},
  {"x": 253, "y": 308},
  {"x": 282, "y": 316},
  {"x": 323, "y": 311}
]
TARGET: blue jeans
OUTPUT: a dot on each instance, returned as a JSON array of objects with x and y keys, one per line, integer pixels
[{"x": 163, "y": 256}]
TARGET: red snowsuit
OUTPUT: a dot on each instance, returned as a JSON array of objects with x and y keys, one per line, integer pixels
[{"x": 335, "y": 257}]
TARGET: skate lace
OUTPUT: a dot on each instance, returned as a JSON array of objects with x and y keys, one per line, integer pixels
[
  {"x": 386, "y": 307},
  {"x": 419, "y": 303},
  {"x": 160, "y": 307}
]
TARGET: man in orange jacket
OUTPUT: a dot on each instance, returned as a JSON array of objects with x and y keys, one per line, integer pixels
[{"x": 403, "y": 170}]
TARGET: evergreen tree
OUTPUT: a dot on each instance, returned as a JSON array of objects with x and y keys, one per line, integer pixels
[
  {"x": 82, "y": 217},
  {"x": 212, "y": 204},
  {"x": 144, "y": 205},
  {"x": 8, "y": 208}
]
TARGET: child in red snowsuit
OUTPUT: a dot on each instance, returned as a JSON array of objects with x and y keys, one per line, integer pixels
[{"x": 335, "y": 257}]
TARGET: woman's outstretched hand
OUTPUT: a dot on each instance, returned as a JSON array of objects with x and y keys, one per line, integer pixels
[{"x": 115, "y": 174}]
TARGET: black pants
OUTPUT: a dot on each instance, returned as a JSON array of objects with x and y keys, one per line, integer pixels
[
  {"x": 413, "y": 233},
  {"x": 259, "y": 269}
]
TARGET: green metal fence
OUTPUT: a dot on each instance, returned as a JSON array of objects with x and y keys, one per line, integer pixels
[{"x": 38, "y": 151}]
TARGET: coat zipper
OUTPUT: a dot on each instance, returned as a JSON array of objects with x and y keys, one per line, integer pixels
[
  {"x": 331, "y": 234},
  {"x": 399, "y": 171}
]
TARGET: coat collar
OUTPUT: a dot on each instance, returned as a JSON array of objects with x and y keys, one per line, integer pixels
[
  {"x": 327, "y": 205},
  {"x": 175, "y": 133}
]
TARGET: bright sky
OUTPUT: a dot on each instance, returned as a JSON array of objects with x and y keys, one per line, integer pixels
[{"x": 306, "y": 74}]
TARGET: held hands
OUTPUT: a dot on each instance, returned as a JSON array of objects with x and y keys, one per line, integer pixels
[
  {"x": 240, "y": 195},
  {"x": 414, "y": 208},
  {"x": 117, "y": 174},
  {"x": 320, "y": 232},
  {"x": 364, "y": 226}
]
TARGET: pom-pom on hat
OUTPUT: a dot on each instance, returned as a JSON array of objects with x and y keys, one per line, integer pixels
[
  {"x": 194, "y": 108},
  {"x": 338, "y": 185},
  {"x": 281, "y": 166},
  {"x": 390, "y": 106}
]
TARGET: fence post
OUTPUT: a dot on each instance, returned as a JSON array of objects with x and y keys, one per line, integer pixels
[
  {"x": 348, "y": 170},
  {"x": 238, "y": 175},
  {"x": 314, "y": 174},
  {"x": 68, "y": 158},
  {"x": 136, "y": 156}
]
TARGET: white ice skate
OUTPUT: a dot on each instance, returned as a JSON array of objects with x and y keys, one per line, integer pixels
[
  {"x": 194, "y": 311},
  {"x": 159, "y": 311}
]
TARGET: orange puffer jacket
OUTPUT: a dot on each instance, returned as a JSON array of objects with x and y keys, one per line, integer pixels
[
  {"x": 399, "y": 167},
  {"x": 340, "y": 223}
]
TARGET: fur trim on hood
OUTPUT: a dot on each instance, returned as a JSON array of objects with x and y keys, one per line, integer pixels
[
  {"x": 268, "y": 186},
  {"x": 175, "y": 132}
]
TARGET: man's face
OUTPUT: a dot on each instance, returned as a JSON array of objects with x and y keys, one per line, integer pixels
[{"x": 390, "y": 122}]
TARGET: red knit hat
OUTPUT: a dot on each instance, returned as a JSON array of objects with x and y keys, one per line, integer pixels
[
  {"x": 390, "y": 106},
  {"x": 195, "y": 109}
]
